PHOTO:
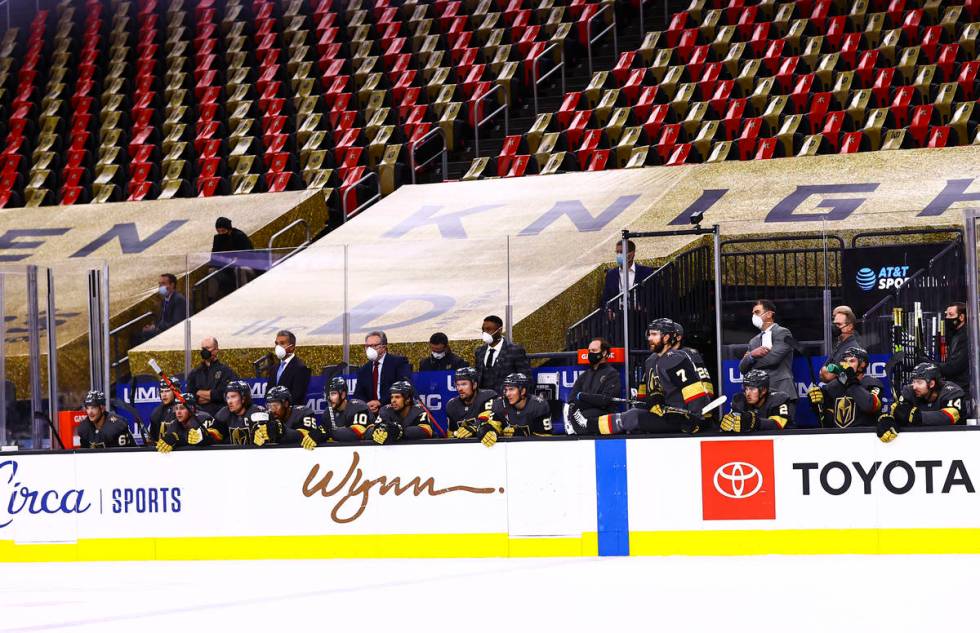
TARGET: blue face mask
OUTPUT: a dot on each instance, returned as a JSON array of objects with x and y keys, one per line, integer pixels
[{"x": 620, "y": 260}]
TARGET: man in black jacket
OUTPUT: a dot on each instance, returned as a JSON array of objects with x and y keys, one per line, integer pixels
[
  {"x": 173, "y": 308},
  {"x": 290, "y": 372},
  {"x": 592, "y": 392},
  {"x": 956, "y": 368},
  {"x": 228, "y": 239},
  {"x": 209, "y": 380},
  {"x": 440, "y": 358},
  {"x": 498, "y": 357},
  {"x": 375, "y": 377}
]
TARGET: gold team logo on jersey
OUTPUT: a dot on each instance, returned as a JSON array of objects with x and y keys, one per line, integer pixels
[{"x": 844, "y": 412}]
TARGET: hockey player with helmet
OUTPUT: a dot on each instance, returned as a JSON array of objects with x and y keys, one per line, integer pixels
[
  {"x": 100, "y": 428},
  {"x": 401, "y": 418},
  {"x": 470, "y": 402},
  {"x": 163, "y": 413},
  {"x": 925, "y": 401},
  {"x": 186, "y": 429},
  {"x": 853, "y": 398},
  {"x": 288, "y": 424},
  {"x": 697, "y": 359},
  {"x": 235, "y": 422},
  {"x": 756, "y": 408},
  {"x": 516, "y": 412},
  {"x": 672, "y": 395},
  {"x": 346, "y": 419}
]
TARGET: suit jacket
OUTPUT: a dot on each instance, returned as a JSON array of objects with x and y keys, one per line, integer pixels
[
  {"x": 778, "y": 362},
  {"x": 613, "y": 275},
  {"x": 172, "y": 312},
  {"x": 393, "y": 369},
  {"x": 449, "y": 362},
  {"x": 296, "y": 378},
  {"x": 511, "y": 359},
  {"x": 957, "y": 366}
]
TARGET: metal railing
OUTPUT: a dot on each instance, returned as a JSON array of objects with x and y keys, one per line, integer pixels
[
  {"x": 444, "y": 153},
  {"x": 344, "y": 194},
  {"x": 478, "y": 121},
  {"x": 282, "y": 231},
  {"x": 535, "y": 65},
  {"x": 114, "y": 335},
  {"x": 590, "y": 39}
]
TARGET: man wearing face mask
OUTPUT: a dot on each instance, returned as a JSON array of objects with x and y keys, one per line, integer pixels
[
  {"x": 592, "y": 392},
  {"x": 375, "y": 377},
  {"x": 173, "y": 307},
  {"x": 771, "y": 350},
  {"x": 440, "y": 357},
  {"x": 209, "y": 380},
  {"x": 290, "y": 372},
  {"x": 956, "y": 368},
  {"x": 498, "y": 357},
  {"x": 614, "y": 276},
  {"x": 845, "y": 337}
]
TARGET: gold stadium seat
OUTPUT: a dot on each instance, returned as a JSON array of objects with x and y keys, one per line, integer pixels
[
  {"x": 486, "y": 24},
  {"x": 371, "y": 84},
  {"x": 435, "y": 63},
  {"x": 783, "y": 15},
  {"x": 693, "y": 113},
  {"x": 761, "y": 94},
  {"x": 444, "y": 98},
  {"x": 506, "y": 80},
  {"x": 379, "y": 118},
  {"x": 241, "y": 111},
  {"x": 173, "y": 189},
  {"x": 541, "y": 126},
  {"x": 435, "y": 84},
  {"x": 375, "y": 101},
  {"x": 112, "y": 138},
  {"x": 623, "y": 150},
  {"x": 733, "y": 61},
  {"x": 177, "y": 50},
  {"x": 36, "y": 197},
  {"x": 720, "y": 152},
  {"x": 317, "y": 141},
  {"x": 244, "y": 127},
  {"x": 318, "y": 178},
  {"x": 176, "y": 169},
  {"x": 661, "y": 64},
  {"x": 235, "y": 44},
  {"x": 309, "y": 126},
  {"x": 812, "y": 50},
  {"x": 827, "y": 68},
  {"x": 874, "y": 24},
  {"x": 113, "y": 103},
  {"x": 787, "y": 132},
  {"x": 603, "y": 109},
  {"x": 498, "y": 57},
  {"x": 548, "y": 145},
  {"x": 638, "y": 157},
  {"x": 857, "y": 105},
  {"x": 175, "y": 116},
  {"x": 945, "y": 98},
  {"x": 907, "y": 64},
  {"x": 177, "y": 134},
  {"x": 429, "y": 46},
  {"x": 315, "y": 160},
  {"x": 559, "y": 36},
  {"x": 109, "y": 156},
  {"x": 890, "y": 45},
  {"x": 960, "y": 121},
  {"x": 110, "y": 120},
  {"x": 923, "y": 81},
  {"x": 448, "y": 121},
  {"x": 388, "y": 167},
  {"x": 672, "y": 81},
  {"x": 104, "y": 193},
  {"x": 747, "y": 75},
  {"x": 617, "y": 122},
  {"x": 704, "y": 139},
  {"x": 249, "y": 183},
  {"x": 874, "y": 127},
  {"x": 723, "y": 40},
  {"x": 379, "y": 145},
  {"x": 40, "y": 179},
  {"x": 477, "y": 169},
  {"x": 709, "y": 24},
  {"x": 44, "y": 160},
  {"x": 241, "y": 146},
  {"x": 245, "y": 165},
  {"x": 968, "y": 38},
  {"x": 555, "y": 163},
  {"x": 951, "y": 20},
  {"x": 897, "y": 139},
  {"x": 812, "y": 145},
  {"x": 857, "y": 14},
  {"x": 841, "y": 90}
]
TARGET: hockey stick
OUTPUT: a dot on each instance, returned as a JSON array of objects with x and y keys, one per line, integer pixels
[
  {"x": 891, "y": 371},
  {"x": 708, "y": 408},
  {"x": 162, "y": 375}
]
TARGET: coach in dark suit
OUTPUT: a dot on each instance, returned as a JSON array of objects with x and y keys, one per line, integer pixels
[
  {"x": 376, "y": 376},
  {"x": 614, "y": 276},
  {"x": 173, "y": 307},
  {"x": 291, "y": 372},
  {"x": 498, "y": 357},
  {"x": 771, "y": 349}
]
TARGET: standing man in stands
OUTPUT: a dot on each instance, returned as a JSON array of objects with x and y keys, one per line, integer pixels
[
  {"x": 173, "y": 307},
  {"x": 845, "y": 337},
  {"x": 614, "y": 276},
  {"x": 498, "y": 357},
  {"x": 771, "y": 349},
  {"x": 290, "y": 372},
  {"x": 209, "y": 380},
  {"x": 956, "y": 368},
  {"x": 375, "y": 377},
  {"x": 440, "y": 357},
  {"x": 592, "y": 392}
]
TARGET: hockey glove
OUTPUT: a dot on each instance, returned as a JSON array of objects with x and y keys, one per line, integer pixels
[
  {"x": 887, "y": 428},
  {"x": 488, "y": 437},
  {"x": 195, "y": 437},
  {"x": 307, "y": 442},
  {"x": 739, "y": 422},
  {"x": 167, "y": 442},
  {"x": 261, "y": 435},
  {"x": 467, "y": 429},
  {"x": 815, "y": 394},
  {"x": 848, "y": 377},
  {"x": 906, "y": 413}
]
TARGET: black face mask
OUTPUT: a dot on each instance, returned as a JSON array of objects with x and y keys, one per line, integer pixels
[
  {"x": 596, "y": 357},
  {"x": 835, "y": 331},
  {"x": 205, "y": 354},
  {"x": 951, "y": 325}
]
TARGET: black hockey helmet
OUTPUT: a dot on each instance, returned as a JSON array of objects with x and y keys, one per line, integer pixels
[
  {"x": 189, "y": 401},
  {"x": 166, "y": 385},
  {"x": 466, "y": 373},
  {"x": 338, "y": 384},
  {"x": 857, "y": 352},
  {"x": 402, "y": 387},
  {"x": 241, "y": 388},
  {"x": 668, "y": 328},
  {"x": 517, "y": 380},
  {"x": 927, "y": 372},
  {"x": 278, "y": 394},
  {"x": 94, "y": 399},
  {"x": 757, "y": 378}
]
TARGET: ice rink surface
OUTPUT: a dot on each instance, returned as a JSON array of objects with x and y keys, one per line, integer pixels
[{"x": 768, "y": 593}]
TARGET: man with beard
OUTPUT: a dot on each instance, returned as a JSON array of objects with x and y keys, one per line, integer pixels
[
  {"x": 926, "y": 401},
  {"x": 471, "y": 401},
  {"x": 401, "y": 419},
  {"x": 852, "y": 398},
  {"x": 346, "y": 419},
  {"x": 288, "y": 424}
]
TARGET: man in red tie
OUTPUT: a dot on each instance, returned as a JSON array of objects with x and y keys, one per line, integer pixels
[{"x": 375, "y": 377}]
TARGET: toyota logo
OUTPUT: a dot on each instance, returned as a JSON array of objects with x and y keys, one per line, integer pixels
[{"x": 737, "y": 480}]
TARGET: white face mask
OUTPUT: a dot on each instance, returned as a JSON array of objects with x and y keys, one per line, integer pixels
[
  {"x": 488, "y": 338},
  {"x": 438, "y": 355},
  {"x": 757, "y": 321},
  {"x": 163, "y": 291},
  {"x": 372, "y": 354},
  {"x": 280, "y": 352}
]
